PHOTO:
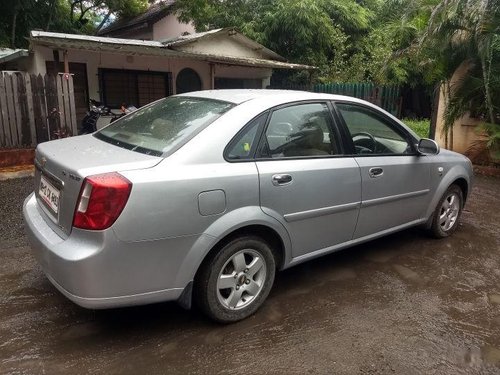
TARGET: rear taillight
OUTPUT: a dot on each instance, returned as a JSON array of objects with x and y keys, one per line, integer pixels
[{"x": 101, "y": 201}]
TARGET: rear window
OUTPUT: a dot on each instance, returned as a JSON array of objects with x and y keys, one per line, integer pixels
[{"x": 164, "y": 126}]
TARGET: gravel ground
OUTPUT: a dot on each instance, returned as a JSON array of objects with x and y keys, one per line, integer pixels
[{"x": 12, "y": 194}]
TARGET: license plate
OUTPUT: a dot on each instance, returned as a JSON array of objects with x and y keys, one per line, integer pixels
[{"x": 49, "y": 194}]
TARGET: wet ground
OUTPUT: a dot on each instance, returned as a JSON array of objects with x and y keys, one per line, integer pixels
[{"x": 405, "y": 304}]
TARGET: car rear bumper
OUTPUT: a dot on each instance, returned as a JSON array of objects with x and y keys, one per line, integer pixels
[
  {"x": 121, "y": 301},
  {"x": 96, "y": 270}
]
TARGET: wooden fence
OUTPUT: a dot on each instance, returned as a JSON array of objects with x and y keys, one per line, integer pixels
[
  {"x": 387, "y": 97},
  {"x": 35, "y": 108}
]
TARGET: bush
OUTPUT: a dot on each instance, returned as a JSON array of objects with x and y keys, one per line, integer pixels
[{"x": 421, "y": 127}]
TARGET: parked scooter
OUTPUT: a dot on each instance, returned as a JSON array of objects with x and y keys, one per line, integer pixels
[
  {"x": 89, "y": 122},
  {"x": 97, "y": 109}
]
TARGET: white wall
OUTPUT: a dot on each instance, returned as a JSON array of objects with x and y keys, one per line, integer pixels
[
  {"x": 222, "y": 45},
  {"x": 170, "y": 27},
  {"x": 38, "y": 58},
  {"x": 96, "y": 60},
  {"x": 464, "y": 129}
]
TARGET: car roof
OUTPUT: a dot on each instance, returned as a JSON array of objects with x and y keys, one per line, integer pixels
[{"x": 239, "y": 96}]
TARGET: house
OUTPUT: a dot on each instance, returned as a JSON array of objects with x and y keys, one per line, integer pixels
[
  {"x": 139, "y": 60},
  {"x": 159, "y": 22},
  {"x": 10, "y": 58},
  {"x": 137, "y": 72}
]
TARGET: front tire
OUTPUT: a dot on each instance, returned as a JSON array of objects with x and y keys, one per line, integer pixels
[
  {"x": 447, "y": 214},
  {"x": 235, "y": 281}
]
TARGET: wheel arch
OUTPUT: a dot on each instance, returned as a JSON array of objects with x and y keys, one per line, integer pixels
[
  {"x": 455, "y": 176},
  {"x": 265, "y": 232},
  {"x": 463, "y": 185},
  {"x": 244, "y": 221}
]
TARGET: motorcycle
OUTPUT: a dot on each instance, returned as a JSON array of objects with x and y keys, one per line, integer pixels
[
  {"x": 89, "y": 122},
  {"x": 97, "y": 109}
]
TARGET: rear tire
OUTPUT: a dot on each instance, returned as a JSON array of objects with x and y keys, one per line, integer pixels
[
  {"x": 234, "y": 282},
  {"x": 447, "y": 214}
]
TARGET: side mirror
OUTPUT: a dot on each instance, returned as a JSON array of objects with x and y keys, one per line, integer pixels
[{"x": 428, "y": 147}]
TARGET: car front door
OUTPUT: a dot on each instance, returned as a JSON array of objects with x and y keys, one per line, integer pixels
[
  {"x": 306, "y": 181},
  {"x": 395, "y": 179}
]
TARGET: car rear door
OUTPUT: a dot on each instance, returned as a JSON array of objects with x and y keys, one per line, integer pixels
[
  {"x": 395, "y": 179},
  {"x": 306, "y": 181}
]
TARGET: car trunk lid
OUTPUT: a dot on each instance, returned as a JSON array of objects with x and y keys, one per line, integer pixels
[{"x": 62, "y": 165}]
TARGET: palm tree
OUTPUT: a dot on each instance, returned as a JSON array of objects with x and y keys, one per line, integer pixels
[{"x": 464, "y": 33}]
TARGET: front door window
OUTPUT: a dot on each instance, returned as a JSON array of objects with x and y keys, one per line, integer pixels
[{"x": 370, "y": 133}]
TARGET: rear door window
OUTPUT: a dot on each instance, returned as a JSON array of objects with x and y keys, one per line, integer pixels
[
  {"x": 243, "y": 146},
  {"x": 300, "y": 130}
]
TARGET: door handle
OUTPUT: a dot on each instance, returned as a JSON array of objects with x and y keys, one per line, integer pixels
[
  {"x": 281, "y": 179},
  {"x": 375, "y": 172}
]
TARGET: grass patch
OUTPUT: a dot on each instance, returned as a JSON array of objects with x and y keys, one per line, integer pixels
[{"x": 421, "y": 127}]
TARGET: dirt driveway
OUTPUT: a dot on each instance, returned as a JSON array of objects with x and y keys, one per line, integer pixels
[{"x": 405, "y": 304}]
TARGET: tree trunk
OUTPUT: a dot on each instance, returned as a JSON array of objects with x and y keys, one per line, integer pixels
[
  {"x": 451, "y": 138},
  {"x": 14, "y": 24},
  {"x": 486, "y": 78},
  {"x": 448, "y": 127},
  {"x": 52, "y": 5},
  {"x": 103, "y": 22},
  {"x": 485, "y": 50},
  {"x": 83, "y": 11},
  {"x": 434, "y": 113},
  {"x": 74, "y": 3}
]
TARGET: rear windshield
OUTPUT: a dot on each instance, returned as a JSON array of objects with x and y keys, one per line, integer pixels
[{"x": 162, "y": 127}]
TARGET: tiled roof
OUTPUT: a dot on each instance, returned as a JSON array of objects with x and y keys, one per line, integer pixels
[
  {"x": 7, "y": 54},
  {"x": 149, "y": 48},
  {"x": 153, "y": 14},
  {"x": 72, "y": 38},
  {"x": 181, "y": 39},
  {"x": 178, "y": 42}
]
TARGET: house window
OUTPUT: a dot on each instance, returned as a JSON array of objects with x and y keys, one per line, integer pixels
[
  {"x": 133, "y": 87},
  {"x": 187, "y": 80},
  {"x": 237, "y": 83}
]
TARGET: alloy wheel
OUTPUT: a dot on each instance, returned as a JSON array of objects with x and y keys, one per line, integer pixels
[
  {"x": 241, "y": 279},
  {"x": 449, "y": 211}
]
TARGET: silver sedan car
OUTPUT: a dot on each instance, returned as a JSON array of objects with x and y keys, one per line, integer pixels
[{"x": 203, "y": 196}]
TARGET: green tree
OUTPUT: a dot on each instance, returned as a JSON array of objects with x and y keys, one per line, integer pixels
[
  {"x": 84, "y": 11},
  {"x": 317, "y": 32},
  {"x": 72, "y": 16},
  {"x": 19, "y": 16},
  {"x": 466, "y": 34}
]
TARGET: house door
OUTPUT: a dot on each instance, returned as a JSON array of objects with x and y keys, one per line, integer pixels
[{"x": 79, "y": 71}]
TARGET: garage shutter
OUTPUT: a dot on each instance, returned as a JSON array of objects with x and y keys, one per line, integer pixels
[
  {"x": 132, "y": 87},
  {"x": 151, "y": 87}
]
